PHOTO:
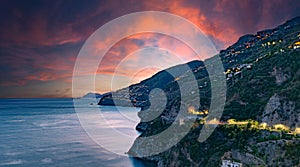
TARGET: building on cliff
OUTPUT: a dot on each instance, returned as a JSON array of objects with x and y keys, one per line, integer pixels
[{"x": 228, "y": 163}]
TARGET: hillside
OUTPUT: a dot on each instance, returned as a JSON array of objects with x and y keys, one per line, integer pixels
[
  {"x": 260, "y": 123},
  {"x": 137, "y": 94}
]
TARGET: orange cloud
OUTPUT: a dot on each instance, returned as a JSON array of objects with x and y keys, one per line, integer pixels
[{"x": 40, "y": 42}]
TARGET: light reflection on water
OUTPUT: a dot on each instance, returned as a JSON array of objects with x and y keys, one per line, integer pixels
[{"x": 46, "y": 132}]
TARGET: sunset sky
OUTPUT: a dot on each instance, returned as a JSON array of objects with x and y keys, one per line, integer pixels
[{"x": 40, "y": 40}]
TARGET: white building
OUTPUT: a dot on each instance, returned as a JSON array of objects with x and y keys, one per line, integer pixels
[
  {"x": 296, "y": 46},
  {"x": 228, "y": 163},
  {"x": 181, "y": 121}
]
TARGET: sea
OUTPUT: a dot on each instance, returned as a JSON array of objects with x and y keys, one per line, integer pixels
[{"x": 47, "y": 132}]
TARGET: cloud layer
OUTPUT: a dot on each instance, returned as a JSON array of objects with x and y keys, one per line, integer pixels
[{"x": 39, "y": 40}]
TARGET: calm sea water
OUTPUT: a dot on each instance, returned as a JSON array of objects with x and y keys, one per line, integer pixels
[{"x": 46, "y": 132}]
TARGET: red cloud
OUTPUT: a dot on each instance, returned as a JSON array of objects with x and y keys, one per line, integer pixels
[{"x": 42, "y": 44}]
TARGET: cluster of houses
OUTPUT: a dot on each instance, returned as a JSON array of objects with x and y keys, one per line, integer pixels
[
  {"x": 269, "y": 43},
  {"x": 247, "y": 42},
  {"x": 296, "y": 45},
  {"x": 265, "y": 34},
  {"x": 237, "y": 70},
  {"x": 228, "y": 163}
]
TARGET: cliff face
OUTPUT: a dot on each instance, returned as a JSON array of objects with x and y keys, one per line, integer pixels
[
  {"x": 280, "y": 110},
  {"x": 263, "y": 97},
  {"x": 262, "y": 73}
]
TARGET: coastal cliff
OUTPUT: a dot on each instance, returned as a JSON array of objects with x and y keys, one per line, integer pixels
[{"x": 260, "y": 123}]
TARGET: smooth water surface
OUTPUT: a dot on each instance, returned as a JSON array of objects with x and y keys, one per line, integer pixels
[{"x": 46, "y": 132}]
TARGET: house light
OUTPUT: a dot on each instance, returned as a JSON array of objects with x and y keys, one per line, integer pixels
[
  {"x": 263, "y": 125},
  {"x": 296, "y": 45},
  {"x": 177, "y": 78},
  {"x": 191, "y": 109},
  {"x": 228, "y": 71},
  {"x": 281, "y": 126}
]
